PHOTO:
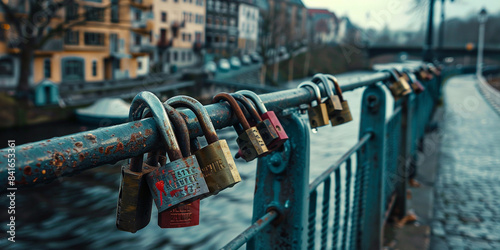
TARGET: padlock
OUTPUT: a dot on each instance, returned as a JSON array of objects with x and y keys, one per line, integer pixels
[
  {"x": 414, "y": 83},
  {"x": 181, "y": 179},
  {"x": 215, "y": 159},
  {"x": 134, "y": 200},
  {"x": 186, "y": 215},
  {"x": 265, "y": 128},
  {"x": 425, "y": 74},
  {"x": 318, "y": 114},
  {"x": 250, "y": 141},
  {"x": 272, "y": 143},
  {"x": 333, "y": 104},
  {"x": 433, "y": 69},
  {"x": 345, "y": 115},
  {"x": 399, "y": 86}
]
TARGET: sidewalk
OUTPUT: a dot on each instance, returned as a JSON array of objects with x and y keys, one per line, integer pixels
[{"x": 467, "y": 189}]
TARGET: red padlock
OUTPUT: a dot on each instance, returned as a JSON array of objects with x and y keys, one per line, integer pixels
[
  {"x": 187, "y": 215},
  {"x": 268, "y": 116}
]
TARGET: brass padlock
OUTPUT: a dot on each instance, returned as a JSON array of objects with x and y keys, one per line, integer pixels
[
  {"x": 425, "y": 74},
  {"x": 333, "y": 104},
  {"x": 250, "y": 141},
  {"x": 181, "y": 179},
  {"x": 399, "y": 87},
  {"x": 265, "y": 127},
  {"x": 345, "y": 115},
  {"x": 215, "y": 159},
  {"x": 185, "y": 215},
  {"x": 414, "y": 83},
  {"x": 270, "y": 120},
  {"x": 318, "y": 114}
]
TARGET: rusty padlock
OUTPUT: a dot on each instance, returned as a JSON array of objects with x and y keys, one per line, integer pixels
[
  {"x": 272, "y": 143},
  {"x": 333, "y": 104},
  {"x": 250, "y": 140},
  {"x": 398, "y": 87},
  {"x": 345, "y": 115},
  {"x": 185, "y": 215},
  {"x": 265, "y": 128},
  {"x": 414, "y": 83},
  {"x": 318, "y": 114},
  {"x": 215, "y": 159},
  {"x": 180, "y": 180}
]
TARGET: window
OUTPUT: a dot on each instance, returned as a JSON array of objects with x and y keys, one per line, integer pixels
[
  {"x": 94, "y": 68},
  {"x": 232, "y": 22},
  {"x": 94, "y": 14},
  {"x": 164, "y": 17},
  {"x": 197, "y": 36},
  {"x": 217, "y": 38},
  {"x": 72, "y": 69},
  {"x": 209, "y": 40},
  {"x": 46, "y": 68},
  {"x": 175, "y": 56},
  {"x": 183, "y": 36},
  {"x": 209, "y": 20},
  {"x": 113, "y": 41},
  {"x": 138, "y": 15},
  {"x": 189, "y": 56},
  {"x": 71, "y": 11},
  {"x": 184, "y": 16},
  {"x": 223, "y": 40},
  {"x": 71, "y": 37},
  {"x": 163, "y": 35},
  {"x": 232, "y": 7},
  {"x": 137, "y": 39},
  {"x": 6, "y": 67},
  {"x": 175, "y": 1},
  {"x": 190, "y": 17},
  {"x": 139, "y": 65},
  {"x": 183, "y": 56},
  {"x": 94, "y": 38},
  {"x": 115, "y": 11},
  {"x": 189, "y": 37}
]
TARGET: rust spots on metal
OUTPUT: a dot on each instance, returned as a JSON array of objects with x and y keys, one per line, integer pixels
[
  {"x": 91, "y": 138},
  {"x": 58, "y": 159},
  {"x": 81, "y": 157},
  {"x": 148, "y": 132},
  {"x": 27, "y": 170},
  {"x": 108, "y": 149},
  {"x": 78, "y": 144},
  {"x": 48, "y": 140},
  {"x": 119, "y": 147},
  {"x": 113, "y": 135},
  {"x": 259, "y": 222},
  {"x": 138, "y": 124},
  {"x": 37, "y": 170},
  {"x": 101, "y": 150}
]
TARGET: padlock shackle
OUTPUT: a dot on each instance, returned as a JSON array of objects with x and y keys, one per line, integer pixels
[
  {"x": 336, "y": 84},
  {"x": 195, "y": 145},
  {"x": 255, "y": 99},
  {"x": 145, "y": 100},
  {"x": 320, "y": 78},
  {"x": 393, "y": 74},
  {"x": 248, "y": 106},
  {"x": 180, "y": 129},
  {"x": 201, "y": 113},
  {"x": 315, "y": 88},
  {"x": 234, "y": 106}
]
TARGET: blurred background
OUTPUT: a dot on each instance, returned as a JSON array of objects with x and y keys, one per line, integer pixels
[{"x": 68, "y": 66}]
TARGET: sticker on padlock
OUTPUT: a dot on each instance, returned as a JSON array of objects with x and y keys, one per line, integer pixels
[
  {"x": 215, "y": 159},
  {"x": 250, "y": 141},
  {"x": 185, "y": 215},
  {"x": 318, "y": 114},
  {"x": 333, "y": 104},
  {"x": 272, "y": 142},
  {"x": 180, "y": 180},
  {"x": 345, "y": 115}
]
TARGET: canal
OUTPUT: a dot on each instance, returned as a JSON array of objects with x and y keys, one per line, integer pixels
[{"x": 79, "y": 211}]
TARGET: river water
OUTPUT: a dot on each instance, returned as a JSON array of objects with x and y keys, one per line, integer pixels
[{"x": 79, "y": 211}]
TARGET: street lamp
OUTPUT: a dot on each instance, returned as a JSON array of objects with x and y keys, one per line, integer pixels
[{"x": 483, "y": 16}]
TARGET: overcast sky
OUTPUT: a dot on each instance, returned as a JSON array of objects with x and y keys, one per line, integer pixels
[{"x": 397, "y": 14}]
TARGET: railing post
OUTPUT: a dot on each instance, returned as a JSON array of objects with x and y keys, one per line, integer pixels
[
  {"x": 372, "y": 156},
  {"x": 405, "y": 156},
  {"x": 282, "y": 183}
]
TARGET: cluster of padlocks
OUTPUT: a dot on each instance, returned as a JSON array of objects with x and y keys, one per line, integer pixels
[{"x": 195, "y": 172}]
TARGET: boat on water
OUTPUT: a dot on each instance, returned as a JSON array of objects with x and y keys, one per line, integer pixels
[{"x": 105, "y": 112}]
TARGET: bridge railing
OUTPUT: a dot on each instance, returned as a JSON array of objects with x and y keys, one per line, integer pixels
[{"x": 369, "y": 180}]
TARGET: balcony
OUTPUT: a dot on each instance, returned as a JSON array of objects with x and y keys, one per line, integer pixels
[
  {"x": 142, "y": 4},
  {"x": 142, "y": 49},
  {"x": 143, "y": 25}
]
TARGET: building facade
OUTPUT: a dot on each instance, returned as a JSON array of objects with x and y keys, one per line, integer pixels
[
  {"x": 248, "y": 27},
  {"x": 324, "y": 26},
  {"x": 222, "y": 27},
  {"x": 178, "y": 33}
]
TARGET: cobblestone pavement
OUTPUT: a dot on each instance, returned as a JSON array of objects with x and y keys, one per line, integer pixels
[{"x": 467, "y": 194}]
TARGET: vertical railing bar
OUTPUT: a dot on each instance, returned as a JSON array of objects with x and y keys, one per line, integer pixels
[
  {"x": 311, "y": 226},
  {"x": 347, "y": 203},
  {"x": 325, "y": 213},
  {"x": 356, "y": 206},
  {"x": 336, "y": 221}
]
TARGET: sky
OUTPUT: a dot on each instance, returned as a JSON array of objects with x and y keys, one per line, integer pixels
[{"x": 398, "y": 14}]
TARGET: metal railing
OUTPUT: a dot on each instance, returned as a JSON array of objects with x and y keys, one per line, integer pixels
[{"x": 369, "y": 180}]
